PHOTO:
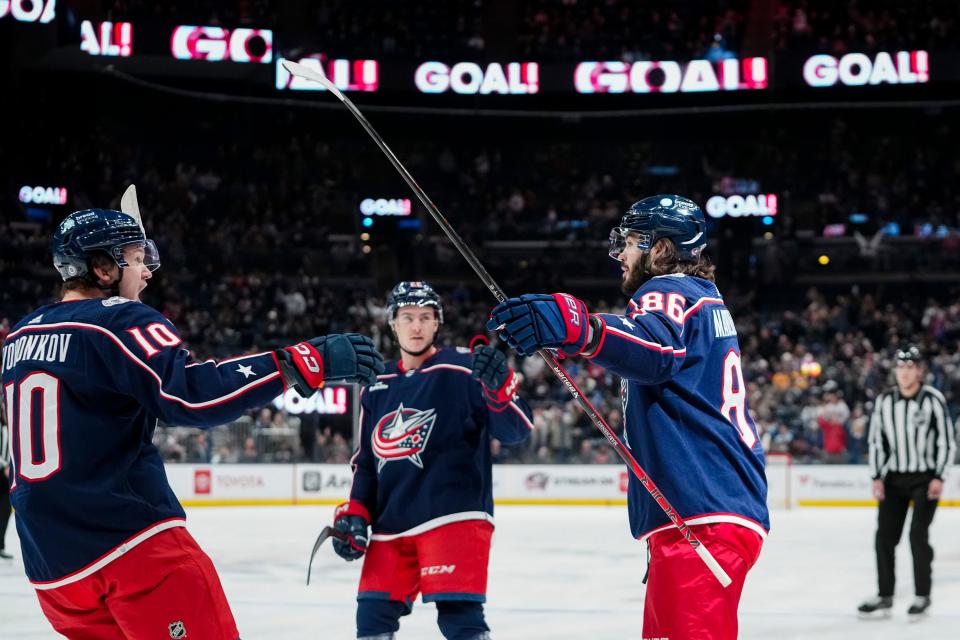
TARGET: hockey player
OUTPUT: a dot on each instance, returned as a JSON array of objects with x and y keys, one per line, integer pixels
[
  {"x": 685, "y": 409},
  {"x": 85, "y": 380},
  {"x": 422, "y": 474}
]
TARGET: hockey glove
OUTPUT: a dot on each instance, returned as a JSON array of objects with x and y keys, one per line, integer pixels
[
  {"x": 498, "y": 379},
  {"x": 352, "y": 518},
  {"x": 347, "y": 357},
  {"x": 540, "y": 321}
]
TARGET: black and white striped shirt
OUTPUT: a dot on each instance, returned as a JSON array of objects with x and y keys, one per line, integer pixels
[{"x": 911, "y": 435}]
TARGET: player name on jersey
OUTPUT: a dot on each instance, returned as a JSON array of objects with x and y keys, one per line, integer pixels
[
  {"x": 52, "y": 347},
  {"x": 723, "y": 326}
]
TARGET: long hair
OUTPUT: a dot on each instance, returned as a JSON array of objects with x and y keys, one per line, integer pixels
[{"x": 669, "y": 262}]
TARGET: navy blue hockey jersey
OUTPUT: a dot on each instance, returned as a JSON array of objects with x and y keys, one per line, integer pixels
[
  {"x": 686, "y": 416},
  {"x": 423, "y": 458},
  {"x": 84, "y": 383}
]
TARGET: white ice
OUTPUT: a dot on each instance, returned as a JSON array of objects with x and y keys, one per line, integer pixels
[{"x": 558, "y": 573}]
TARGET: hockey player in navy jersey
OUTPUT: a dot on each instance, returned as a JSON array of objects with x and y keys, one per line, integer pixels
[
  {"x": 422, "y": 474},
  {"x": 686, "y": 419},
  {"x": 85, "y": 380}
]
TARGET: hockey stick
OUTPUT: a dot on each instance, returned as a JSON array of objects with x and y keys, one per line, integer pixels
[
  {"x": 128, "y": 204},
  {"x": 327, "y": 532},
  {"x": 305, "y": 72}
]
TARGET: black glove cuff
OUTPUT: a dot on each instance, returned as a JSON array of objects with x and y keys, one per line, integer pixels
[
  {"x": 597, "y": 324},
  {"x": 291, "y": 377}
]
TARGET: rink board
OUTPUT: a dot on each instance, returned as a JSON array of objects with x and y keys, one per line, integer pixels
[{"x": 325, "y": 484}]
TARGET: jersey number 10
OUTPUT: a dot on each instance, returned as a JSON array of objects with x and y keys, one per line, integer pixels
[{"x": 20, "y": 407}]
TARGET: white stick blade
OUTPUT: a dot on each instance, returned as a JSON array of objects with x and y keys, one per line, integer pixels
[
  {"x": 128, "y": 204},
  {"x": 305, "y": 72}
]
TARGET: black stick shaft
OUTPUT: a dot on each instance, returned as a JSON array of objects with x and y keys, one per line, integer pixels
[{"x": 548, "y": 357}]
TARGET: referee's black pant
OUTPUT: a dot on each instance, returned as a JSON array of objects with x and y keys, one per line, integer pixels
[
  {"x": 900, "y": 489},
  {"x": 4, "y": 505}
]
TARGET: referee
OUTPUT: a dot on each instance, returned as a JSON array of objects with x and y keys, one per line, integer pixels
[{"x": 911, "y": 446}]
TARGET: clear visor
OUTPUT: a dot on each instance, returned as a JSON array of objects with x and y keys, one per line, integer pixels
[
  {"x": 618, "y": 240},
  {"x": 151, "y": 255}
]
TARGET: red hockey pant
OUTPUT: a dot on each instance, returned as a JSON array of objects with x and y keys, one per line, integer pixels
[
  {"x": 684, "y": 600},
  {"x": 165, "y": 587},
  {"x": 446, "y": 563}
]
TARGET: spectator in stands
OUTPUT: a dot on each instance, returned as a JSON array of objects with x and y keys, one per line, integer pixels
[
  {"x": 281, "y": 420},
  {"x": 264, "y": 419},
  {"x": 224, "y": 455},
  {"x": 586, "y": 454},
  {"x": 172, "y": 450},
  {"x": 200, "y": 451},
  {"x": 339, "y": 451},
  {"x": 831, "y": 420},
  {"x": 857, "y": 441},
  {"x": 780, "y": 443},
  {"x": 604, "y": 455},
  {"x": 249, "y": 453}
]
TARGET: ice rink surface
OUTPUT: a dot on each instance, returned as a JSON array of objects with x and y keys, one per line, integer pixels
[{"x": 558, "y": 573}]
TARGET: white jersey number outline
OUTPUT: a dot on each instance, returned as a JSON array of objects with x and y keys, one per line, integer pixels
[
  {"x": 734, "y": 393},
  {"x": 22, "y": 421}
]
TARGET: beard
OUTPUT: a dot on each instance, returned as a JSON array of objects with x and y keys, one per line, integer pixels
[{"x": 636, "y": 275}]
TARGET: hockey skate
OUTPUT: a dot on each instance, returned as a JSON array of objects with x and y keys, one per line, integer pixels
[
  {"x": 876, "y": 608},
  {"x": 918, "y": 610}
]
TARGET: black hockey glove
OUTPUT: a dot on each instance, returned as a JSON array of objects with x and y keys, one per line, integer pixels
[
  {"x": 490, "y": 368},
  {"x": 347, "y": 357},
  {"x": 352, "y": 518},
  {"x": 542, "y": 321}
]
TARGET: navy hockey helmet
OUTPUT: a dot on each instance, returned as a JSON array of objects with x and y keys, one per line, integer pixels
[
  {"x": 84, "y": 232},
  {"x": 413, "y": 294},
  {"x": 663, "y": 216}
]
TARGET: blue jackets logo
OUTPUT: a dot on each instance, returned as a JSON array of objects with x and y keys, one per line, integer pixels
[
  {"x": 403, "y": 435},
  {"x": 537, "y": 480}
]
